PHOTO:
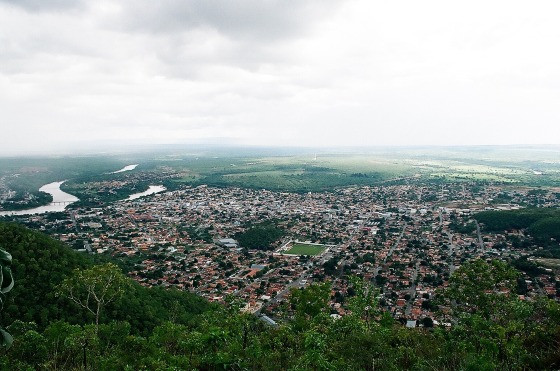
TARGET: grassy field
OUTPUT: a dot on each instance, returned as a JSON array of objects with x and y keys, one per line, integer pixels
[
  {"x": 305, "y": 249},
  {"x": 549, "y": 263},
  {"x": 288, "y": 170}
]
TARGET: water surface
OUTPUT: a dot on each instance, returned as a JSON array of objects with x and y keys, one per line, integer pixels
[
  {"x": 126, "y": 168},
  {"x": 151, "y": 190},
  {"x": 60, "y": 200}
]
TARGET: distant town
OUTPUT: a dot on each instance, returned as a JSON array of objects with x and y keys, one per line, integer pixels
[{"x": 405, "y": 239}]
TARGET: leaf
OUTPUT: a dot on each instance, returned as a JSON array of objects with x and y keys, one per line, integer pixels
[
  {"x": 6, "y": 339},
  {"x": 5, "y": 257},
  {"x": 8, "y": 283}
]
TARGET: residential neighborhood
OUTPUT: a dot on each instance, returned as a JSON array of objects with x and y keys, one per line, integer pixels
[{"x": 404, "y": 239}]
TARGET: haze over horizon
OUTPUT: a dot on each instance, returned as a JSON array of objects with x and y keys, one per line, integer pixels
[{"x": 94, "y": 74}]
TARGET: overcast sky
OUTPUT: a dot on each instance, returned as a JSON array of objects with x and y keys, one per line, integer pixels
[{"x": 291, "y": 73}]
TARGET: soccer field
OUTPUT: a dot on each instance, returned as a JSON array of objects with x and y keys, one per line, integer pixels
[{"x": 304, "y": 249}]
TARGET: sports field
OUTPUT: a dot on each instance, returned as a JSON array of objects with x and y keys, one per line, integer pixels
[{"x": 305, "y": 249}]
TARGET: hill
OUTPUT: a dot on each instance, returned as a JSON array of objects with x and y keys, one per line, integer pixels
[
  {"x": 40, "y": 263},
  {"x": 155, "y": 328}
]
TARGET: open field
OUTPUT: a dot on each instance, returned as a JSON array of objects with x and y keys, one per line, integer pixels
[
  {"x": 548, "y": 262},
  {"x": 305, "y": 249},
  {"x": 285, "y": 170}
]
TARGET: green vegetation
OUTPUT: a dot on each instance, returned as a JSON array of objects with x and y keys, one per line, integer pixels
[
  {"x": 492, "y": 330},
  {"x": 6, "y": 285},
  {"x": 463, "y": 228},
  {"x": 292, "y": 173},
  {"x": 305, "y": 249},
  {"x": 279, "y": 170},
  {"x": 541, "y": 223},
  {"x": 260, "y": 237},
  {"x": 24, "y": 200},
  {"x": 94, "y": 288},
  {"x": 499, "y": 221},
  {"x": 30, "y": 173},
  {"x": 40, "y": 265}
]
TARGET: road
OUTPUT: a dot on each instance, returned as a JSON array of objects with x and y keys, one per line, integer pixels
[
  {"x": 450, "y": 252},
  {"x": 395, "y": 244},
  {"x": 480, "y": 241},
  {"x": 378, "y": 267},
  {"x": 297, "y": 283},
  {"x": 412, "y": 289}
]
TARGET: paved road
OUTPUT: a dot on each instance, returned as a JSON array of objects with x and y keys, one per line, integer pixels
[
  {"x": 412, "y": 289},
  {"x": 450, "y": 252},
  {"x": 297, "y": 283},
  {"x": 378, "y": 267},
  {"x": 395, "y": 244},
  {"x": 480, "y": 241}
]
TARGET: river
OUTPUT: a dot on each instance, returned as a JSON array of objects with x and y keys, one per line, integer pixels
[
  {"x": 60, "y": 200},
  {"x": 126, "y": 168},
  {"x": 151, "y": 190}
]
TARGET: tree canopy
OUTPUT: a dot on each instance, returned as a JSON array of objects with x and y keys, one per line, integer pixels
[{"x": 491, "y": 328}]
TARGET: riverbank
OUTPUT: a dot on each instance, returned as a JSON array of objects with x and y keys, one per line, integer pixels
[
  {"x": 60, "y": 200},
  {"x": 151, "y": 190}
]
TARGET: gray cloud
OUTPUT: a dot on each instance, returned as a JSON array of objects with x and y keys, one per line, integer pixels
[
  {"x": 45, "y": 5},
  {"x": 270, "y": 72},
  {"x": 242, "y": 19}
]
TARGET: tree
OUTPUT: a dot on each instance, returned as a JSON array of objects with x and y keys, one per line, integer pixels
[
  {"x": 309, "y": 303},
  {"x": 363, "y": 304},
  {"x": 94, "y": 288},
  {"x": 481, "y": 287}
]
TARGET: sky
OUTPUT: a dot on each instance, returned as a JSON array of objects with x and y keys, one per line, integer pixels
[{"x": 78, "y": 74}]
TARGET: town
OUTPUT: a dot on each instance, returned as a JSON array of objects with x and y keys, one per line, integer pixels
[{"x": 406, "y": 239}]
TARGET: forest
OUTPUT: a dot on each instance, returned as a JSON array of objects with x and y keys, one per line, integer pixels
[
  {"x": 542, "y": 224},
  {"x": 260, "y": 237},
  {"x": 55, "y": 325}
]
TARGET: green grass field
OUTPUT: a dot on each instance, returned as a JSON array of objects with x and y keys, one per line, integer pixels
[{"x": 304, "y": 249}]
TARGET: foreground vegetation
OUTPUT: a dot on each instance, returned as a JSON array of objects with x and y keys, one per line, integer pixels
[{"x": 164, "y": 329}]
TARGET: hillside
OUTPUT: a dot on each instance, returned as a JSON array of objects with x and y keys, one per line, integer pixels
[
  {"x": 153, "y": 328},
  {"x": 40, "y": 263}
]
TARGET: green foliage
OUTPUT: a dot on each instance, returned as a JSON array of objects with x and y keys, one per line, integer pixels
[
  {"x": 260, "y": 237},
  {"x": 309, "y": 303},
  {"x": 546, "y": 228},
  {"x": 527, "y": 266},
  {"x": 493, "y": 329},
  {"x": 6, "y": 284},
  {"x": 40, "y": 265},
  {"x": 94, "y": 288},
  {"x": 465, "y": 228},
  {"x": 499, "y": 221},
  {"x": 481, "y": 287},
  {"x": 27, "y": 200}
]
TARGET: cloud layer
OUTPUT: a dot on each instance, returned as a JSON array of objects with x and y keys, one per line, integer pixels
[{"x": 318, "y": 73}]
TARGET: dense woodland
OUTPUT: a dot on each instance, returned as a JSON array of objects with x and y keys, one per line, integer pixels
[
  {"x": 540, "y": 225},
  {"x": 260, "y": 237},
  {"x": 154, "y": 328}
]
